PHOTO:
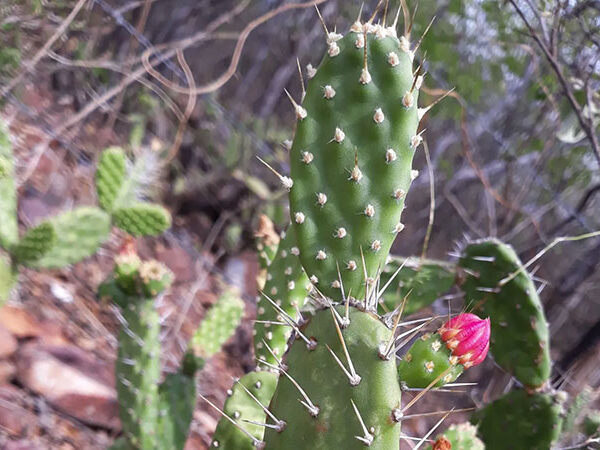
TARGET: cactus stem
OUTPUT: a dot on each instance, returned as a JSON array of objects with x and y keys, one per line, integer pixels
[
  {"x": 280, "y": 424},
  {"x": 255, "y": 441},
  {"x": 313, "y": 409},
  {"x": 368, "y": 437}
]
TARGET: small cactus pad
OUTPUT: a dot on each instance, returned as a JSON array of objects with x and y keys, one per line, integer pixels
[
  {"x": 8, "y": 277},
  {"x": 422, "y": 282},
  {"x": 287, "y": 285},
  {"x": 327, "y": 407},
  {"x": 138, "y": 372},
  {"x": 79, "y": 233},
  {"x": 177, "y": 395},
  {"x": 110, "y": 176},
  {"x": 427, "y": 360},
  {"x": 520, "y": 338},
  {"x": 242, "y": 407},
  {"x": 351, "y": 158},
  {"x": 9, "y": 232},
  {"x": 577, "y": 408},
  {"x": 519, "y": 420},
  {"x": 591, "y": 424},
  {"x": 36, "y": 243},
  {"x": 460, "y": 437},
  {"x": 142, "y": 219},
  {"x": 218, "y": 325}
]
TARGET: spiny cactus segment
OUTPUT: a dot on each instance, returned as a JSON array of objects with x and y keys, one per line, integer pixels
[
  {"x": 520, "y": 336},
  {"x": 245, "y": 408},
  {"x": 79, "y": 233},
  {"x": 335, "y": 389},
  {"x": 110, "y": 177},
  {"x": 351, "y": 158},
  {"x": 285, "y": 292},
  {"x": 420, "y": 281},
  {"x": 459, "y": 437},
  {"x": 439, "y": 358},
  {"x": 520, "y": 420},
  {"x": 218, "y": 325},
  {"x": 9, "y": 232},
  {"x": 35, "y": 244},
  {"x": 142, "y": 219}
]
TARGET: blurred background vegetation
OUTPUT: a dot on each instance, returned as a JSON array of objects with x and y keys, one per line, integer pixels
[{"x": 514, "y": 148}]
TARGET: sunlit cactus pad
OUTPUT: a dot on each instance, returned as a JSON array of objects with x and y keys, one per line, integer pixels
[{"x": 351, "y": 159}]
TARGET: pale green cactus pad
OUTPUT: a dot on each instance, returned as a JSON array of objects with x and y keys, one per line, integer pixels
[{"x": 9, "y": 232}]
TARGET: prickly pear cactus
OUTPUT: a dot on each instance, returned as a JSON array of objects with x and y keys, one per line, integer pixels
[
  {"x": 421, "y": 282},
  {"x": 459, "y": 437},
  {"x": 142, "y": 219},
  {"x": 351, "y": 158},
  {"x": 218, "y": 325},
  {"x": 110, "y": 177},
  {"x": 520, "y": 420},
  {"x": 8, "y": 277},
  {"x": 243, "y": 406},
  {"x": 267, "y": 241},
  {"x": 439, "y": 358},
  {"x": 347, "y": 404},
  {"x": 520, "y": 337},
  {"x": 285, "y": 291},
  {"x": 591, "y": 424},
  {"x": 79, "y": 233},
  {"x": 9, "y": 232},
  {"x": 35, "y": 244}
]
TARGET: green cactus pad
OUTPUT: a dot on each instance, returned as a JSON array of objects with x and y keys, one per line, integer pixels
[
  {"x": 8, "y": 277},
  {"x": 35, "y": 244},
  {"x": 376, "y": 396},
  {"x": 576, "y": 409},
  {"x": 520, "y": 337},
  {"x": 519, "y": 420},
  {"x": 110, "y": 176},
  {"x": 425, "y": 361},
  {"x": 9, "y": 231},
  {"x": 177, "y": 402},
  {"x": 218, "y": 325},
  {"x": 422, "y": 282},
  {"x": 121, "y": 444},
  {"x": 351, "y": 159},
  {"x": 79, "y": 233},
  {"x": 240, "y": 406},
  {"x": 463, "y": 437},
  {"x": 591, "y": 424},
  {"x": 287, "y": 285},
  {"x": 138, "y": 372},
  {"x": 142, "y": 219}
]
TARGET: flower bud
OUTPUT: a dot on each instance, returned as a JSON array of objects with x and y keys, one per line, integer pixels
[{"x": 467, "y": 337}]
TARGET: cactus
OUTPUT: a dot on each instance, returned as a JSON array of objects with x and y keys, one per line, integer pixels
[
  {"x": 243, "y": 406},
  {"x": 142, "y": 219},
  {"x": 110, "y": 177},
  {"x": 520, "y": 337},
  {"x": 520, "y": 420},
  {"x": 8, "y": 277},
  {"x": 459, "y": 437},
  {"x": 157, "y": 415},
  {"x": 78, "y": 233},
  {"x": 218, "y": 325},
  {"x": 440, "y": 358},
  {"x": 287, "y": 285},
  {"x": 577, "y": 409},
  {"x": 267, "y": 241},
  {"x": 35, "y": 244},
  {"x": 351, "y": 158},
  {"x": 591, "y": 424},
  {"x": 421, "y": 281},
  {"x": 337, "y": 396},
  {"x": 9, "y": 233}
]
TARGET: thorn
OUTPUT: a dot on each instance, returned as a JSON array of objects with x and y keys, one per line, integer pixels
[
  {"x": 424, "y": 439},
  {"x": 279, "y": 424},
  {"x": 412, "y": 333},
  {"x": 353, "y": 381},
  {"x": 310, "y": 343},
  {"x": 300, "y": 111},
  {"x": 255, "y": 441},
  {"x": 345, "y": 321},
  {"x": 385, "y": 10},
  {"x": 367, "y": 439},
  {"x": 412, "y": 18},
  {"x": 385, "y": 355},
  {"x": 279, "y": 427},
  {"x": 355, "y": 377},
  {"x": 435, "y": 413},
  {"x": 395, "y": 24},
  {"x": 322, "y": 21},
  {"x": 286, "y": 181},
  {"x": 424, "y": 34},
  {"x": 308, "y": 404},
  {"x": 301, "y": 80},
  {"x": 422, "y": 111},
  {"x": 427, "y": 389},
  {"x": 382, "y": 291},
  {"x": 484, "y": 258}
]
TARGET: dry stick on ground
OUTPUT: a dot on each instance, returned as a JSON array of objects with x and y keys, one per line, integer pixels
[
  {"x": 587, "y": 127},
  {"x": 29, "y": 66}
]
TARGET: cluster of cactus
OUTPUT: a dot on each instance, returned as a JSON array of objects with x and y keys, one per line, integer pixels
[
  {"x": 77, "y": 234},
  {"x": 154, "y": 414},
  {"x": 331, "y": 368}
]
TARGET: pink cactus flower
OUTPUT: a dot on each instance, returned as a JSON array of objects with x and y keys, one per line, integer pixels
[{"x": 468, "y": 337}]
